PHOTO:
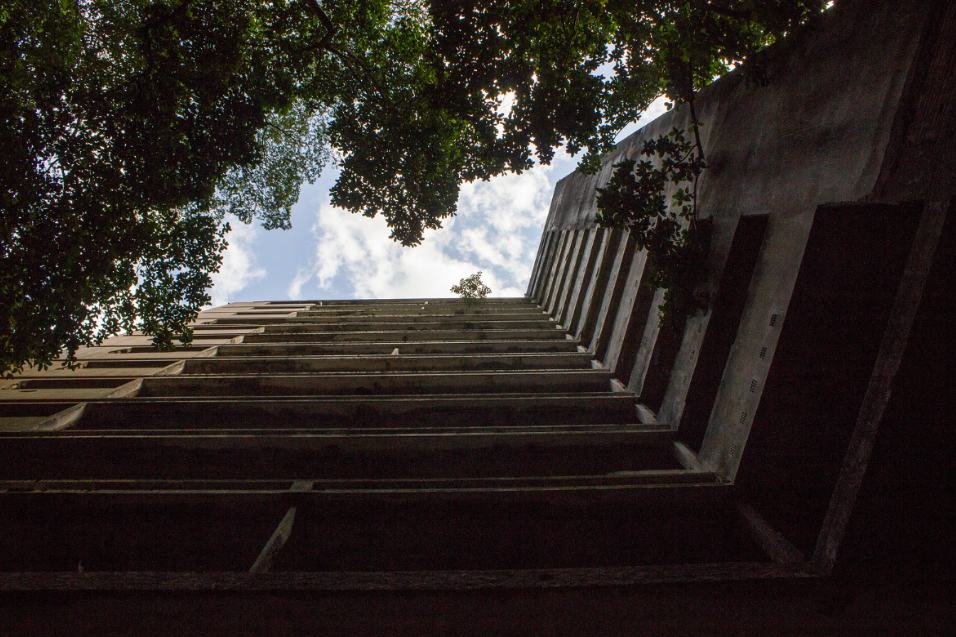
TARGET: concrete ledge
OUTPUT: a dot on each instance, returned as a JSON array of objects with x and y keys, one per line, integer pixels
[
  {"x": 399, "y": 362},
  {"x": 404, "y": 336},
  {"x": 386, "y": 348},
  {"x": 416, "y": 325},
  {"x": 358, "y": 411},
  {"x": 379, "y": 383},
  {"x": 408, "y": 580},
  {"x": 582, "y": 491},
  {"x": 341, "y": 453}
]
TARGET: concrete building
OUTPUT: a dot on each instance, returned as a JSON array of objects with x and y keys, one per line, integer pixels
[{"x": 781, "y": 463}]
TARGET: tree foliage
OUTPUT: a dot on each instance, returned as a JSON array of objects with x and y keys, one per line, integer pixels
[
  {"x": 635, "y": 197},
  {"x": 120, "y": 120},
  {"x": 471, "y": 288},
  {"x": 132, "y": 127},
  {"x": 574, "y": 71}
]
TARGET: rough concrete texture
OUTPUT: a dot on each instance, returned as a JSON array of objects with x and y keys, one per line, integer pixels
[
  {"x": 829, "y": 190},
  {"x": 817, "y": 134},
  {"x": 468, "y": 455},
  {"x": 458, "y": 465}
]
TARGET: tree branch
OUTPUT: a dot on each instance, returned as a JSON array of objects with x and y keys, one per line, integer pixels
[
  {"x": 348, "y": 58},
  {"x": 326, "y": 21},
  {"x": 695, "y": 124}
]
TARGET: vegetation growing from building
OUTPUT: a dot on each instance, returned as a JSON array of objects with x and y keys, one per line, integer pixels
[
  {"x": 471, "y": 288},
  {"x": 636, "y": 197},
  {"x": 130, "y": 128}
]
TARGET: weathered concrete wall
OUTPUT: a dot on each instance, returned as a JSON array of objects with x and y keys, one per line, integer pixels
[
  {"x": 831, "y": 126},
  {"x": 817, "y": 133}
]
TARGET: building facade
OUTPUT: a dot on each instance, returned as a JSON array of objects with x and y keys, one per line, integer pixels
[{"x": 796, "y": 434}]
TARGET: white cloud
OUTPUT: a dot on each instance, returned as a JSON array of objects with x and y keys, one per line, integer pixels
[
  {"x": 496, "y": 230},
  {"x": 374, "y": 266},
  {"x": 510, "y": 202},
  {"x": 239, "y": 265},
  {"x": 302, "y": 276}
]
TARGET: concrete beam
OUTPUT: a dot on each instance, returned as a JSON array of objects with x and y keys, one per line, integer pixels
[
  {"x": 378, "y": 383},
  {"x": 350, "y": 411},
  {"x": 559, "y": 308},
  {"x": 400, "y": 362},
  {"x": 631, "y": 313},
  {"x": 556, "y": 268},
  {"x": 383, "y": 348},
  {"x": 408, "y": 336},
  {"x": 589, "y": 258},
  {"x": 615, "y": 288},
  {"x": 584, "y": 327}
]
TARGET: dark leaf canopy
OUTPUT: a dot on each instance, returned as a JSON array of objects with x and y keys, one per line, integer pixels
[{"x": 131, "y": 127}]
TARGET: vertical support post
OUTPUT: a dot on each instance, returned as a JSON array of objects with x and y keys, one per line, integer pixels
[
  {"x": 574, "y": 263},
  {"x": 892, "y": 348}
]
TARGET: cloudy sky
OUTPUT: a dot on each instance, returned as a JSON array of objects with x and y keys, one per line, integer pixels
[{"x": 332, "y": 254}]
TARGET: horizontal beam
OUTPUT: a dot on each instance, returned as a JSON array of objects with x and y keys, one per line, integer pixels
[
  {"x": 432, "y": 300},
  {"x": 404, "y": 580},
  {"x": 484, "y": 317},
  {"x": 357, "y": 411},
  {"x": 416, "y": 324},
  {"x": 583, "y": 491},
  {"x": 450, "y": 452},
  {"x": 372, "y": 362},
  {"x": 311, "y": 484},
  {"x": 643, "y": 430},
  {"x": 387, "y": 347},
  {"x": 405, "y": 336},
  {"x": 379, "y": 383},
  {"x": 503, "y": 311}
]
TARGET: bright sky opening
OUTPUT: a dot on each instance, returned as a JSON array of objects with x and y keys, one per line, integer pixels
[{"x": 333, "y": 254}]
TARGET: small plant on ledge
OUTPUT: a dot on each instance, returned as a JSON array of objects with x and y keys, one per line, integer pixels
[
  {"x": 675, "y": 238},
  {"x": 471, "y": 288}
]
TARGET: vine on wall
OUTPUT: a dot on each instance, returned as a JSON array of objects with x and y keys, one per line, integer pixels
[{"x": 669, "y": 229}]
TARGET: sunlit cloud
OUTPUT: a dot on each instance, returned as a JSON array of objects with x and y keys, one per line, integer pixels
[
  {"x": 240, "y": 266},
  {"x": 496, "y": 231},
  {"x": 302, "y": 276}
]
